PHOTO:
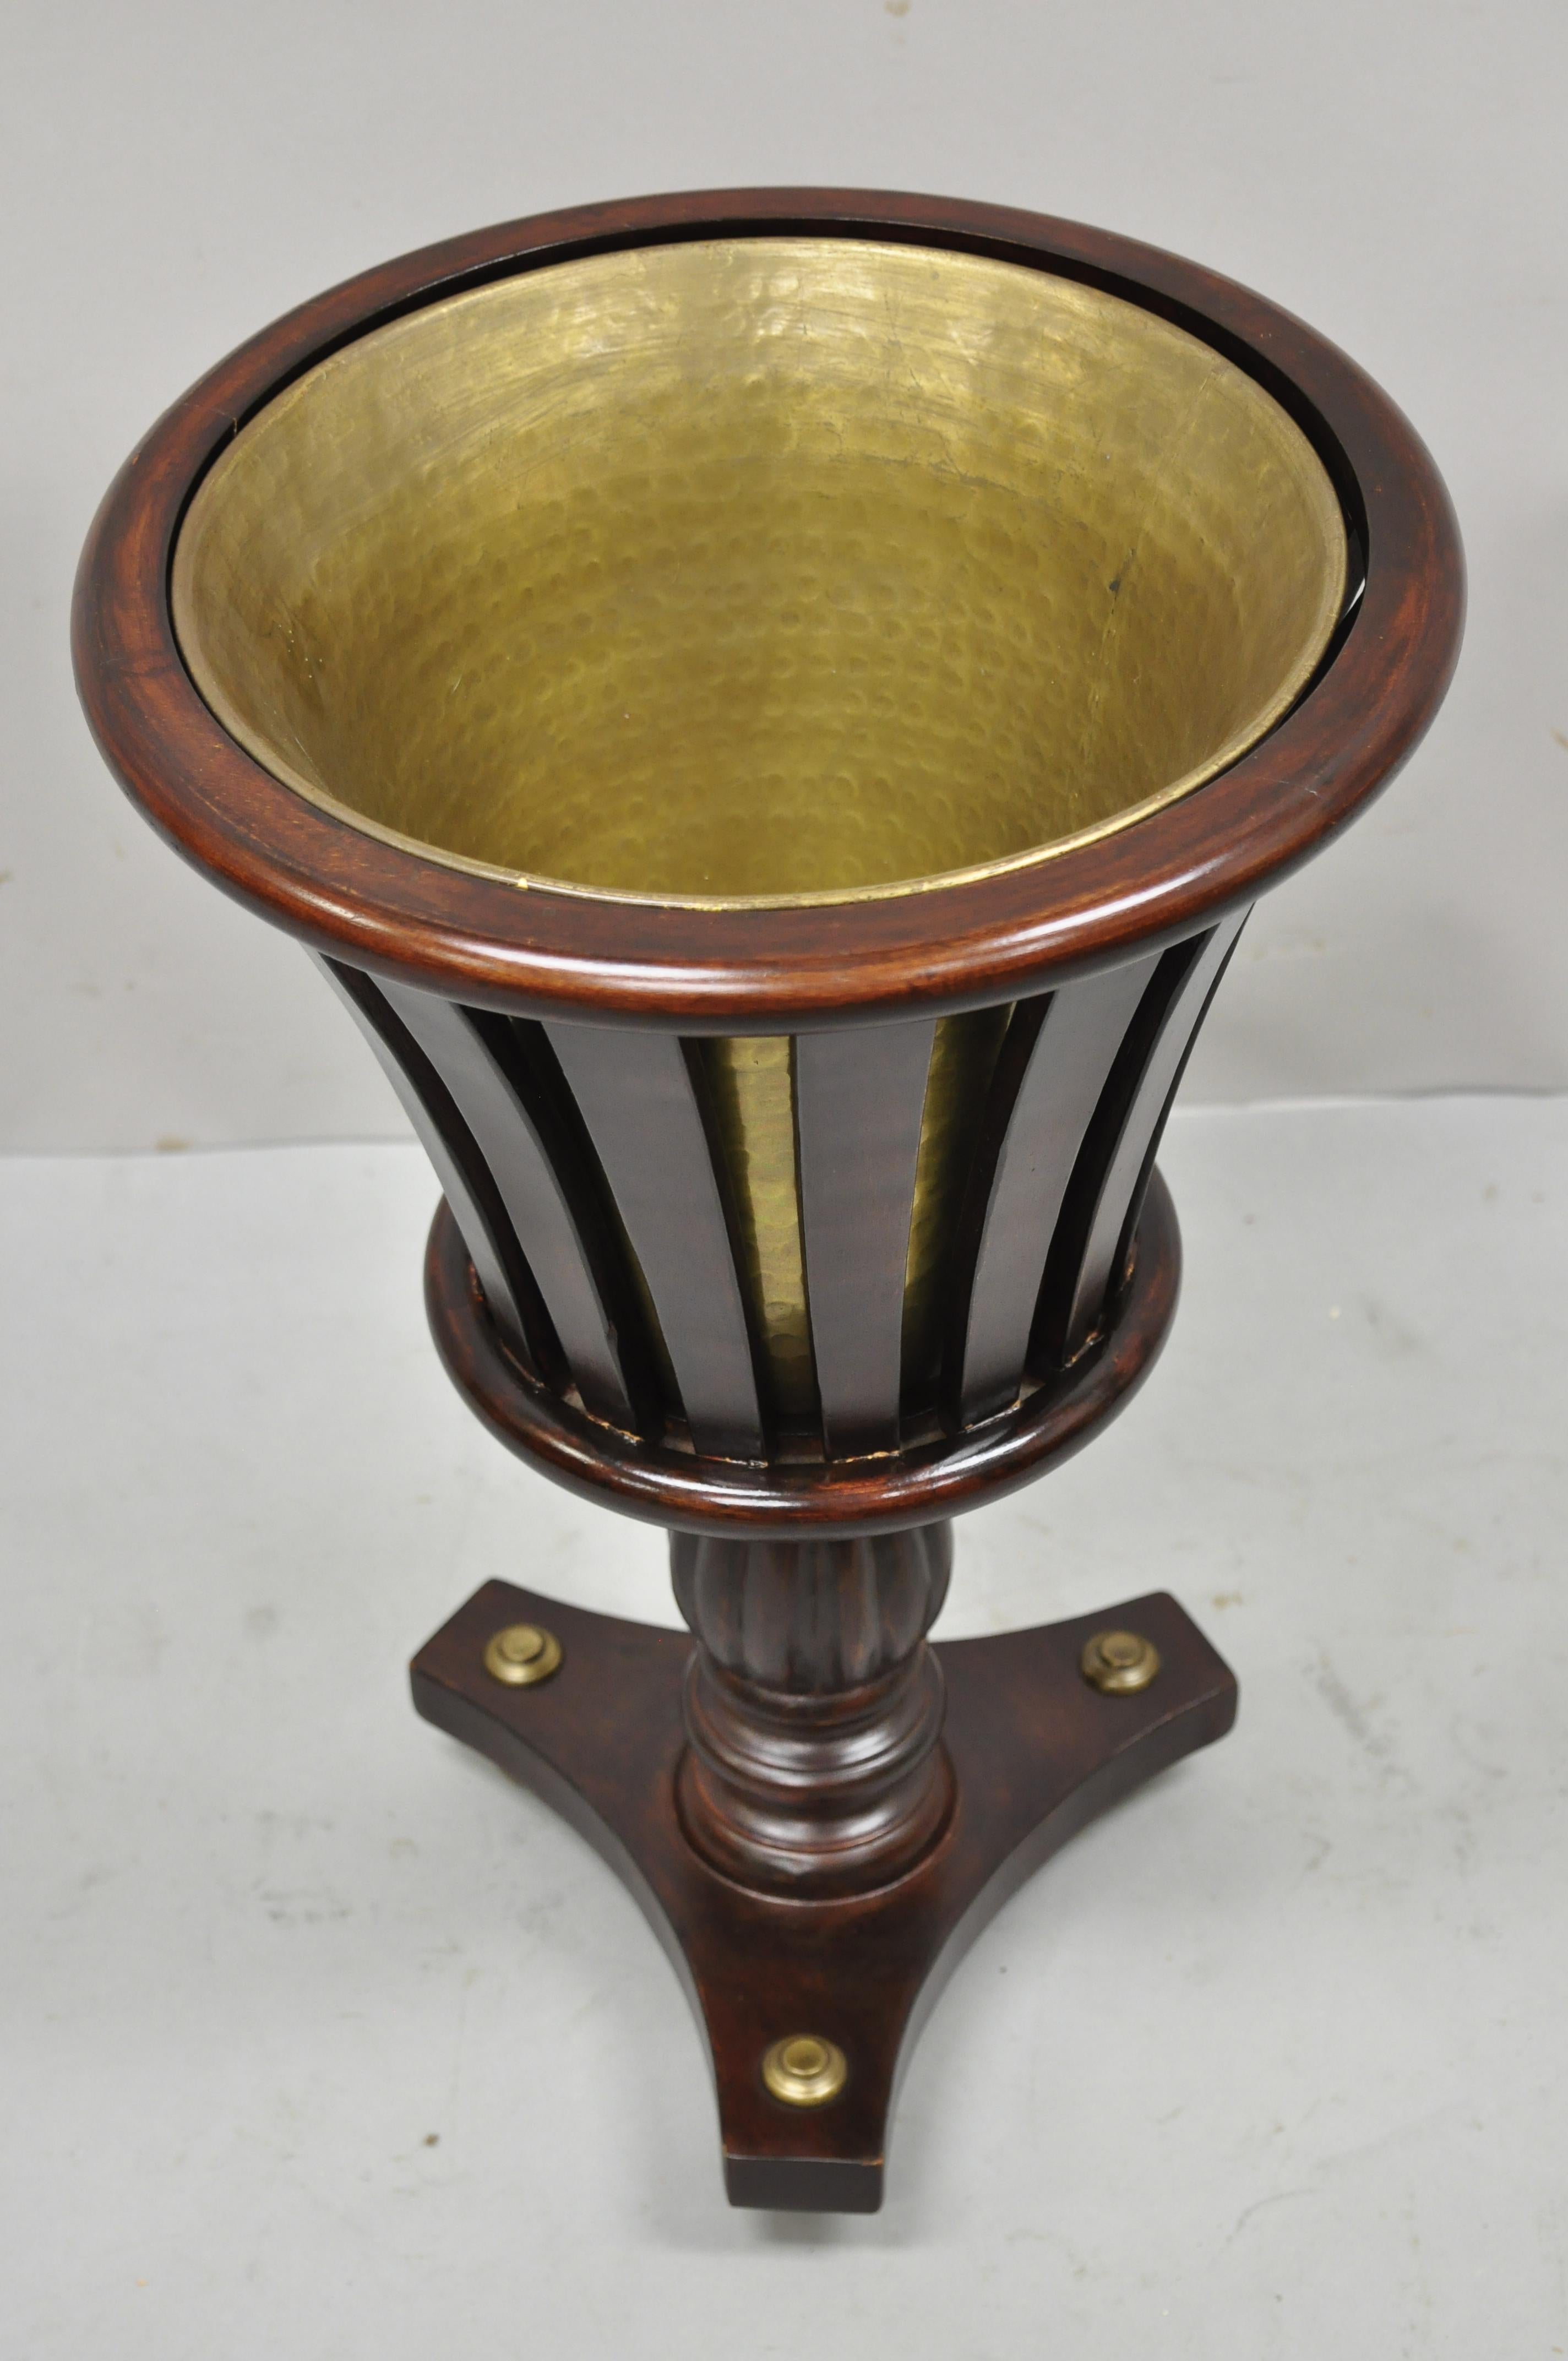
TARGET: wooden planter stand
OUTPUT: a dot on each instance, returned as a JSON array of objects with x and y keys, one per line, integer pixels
[{"x": 815, "y": 1806}]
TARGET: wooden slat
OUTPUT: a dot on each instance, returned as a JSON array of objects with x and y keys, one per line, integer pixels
[
  {"x": 1108, "y": 1186},
  {"x": 640, "y": 1095},
  {"x": 510, "y": 1296},
  {"x": 860, "y": 1093},
  {"x": 1059, "y": 1048},
  {"x": 548, "y": 1195}
]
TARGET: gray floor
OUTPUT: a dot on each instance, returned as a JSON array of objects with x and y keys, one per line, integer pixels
[{"x": 320, "y": 2040}]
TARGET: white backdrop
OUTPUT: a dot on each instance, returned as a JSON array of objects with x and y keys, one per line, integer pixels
[{"x": 175, "y": 175}]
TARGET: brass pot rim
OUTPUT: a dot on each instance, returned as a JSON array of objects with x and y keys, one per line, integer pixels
[
  {"x": 1105, "y": 377},
  {"x": 959, "y": 940}
]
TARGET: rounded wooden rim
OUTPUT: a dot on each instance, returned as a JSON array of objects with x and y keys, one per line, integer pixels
[
  {"x": 538, "y": 950},
  {"x": 920, "y": 1484}
]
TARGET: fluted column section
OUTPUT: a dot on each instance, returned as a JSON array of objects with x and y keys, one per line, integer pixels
[{"x": 813, "y": 1707}]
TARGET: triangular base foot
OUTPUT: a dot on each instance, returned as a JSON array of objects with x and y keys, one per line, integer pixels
[{"x": 1037, "y": 1751}]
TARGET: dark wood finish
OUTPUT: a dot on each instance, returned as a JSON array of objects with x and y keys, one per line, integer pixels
[
  {"x": 549, "y": 1197},
  {"x": 1035, "y": 1755},
  {"x": 1057, "y": 1051},
  {"x": 640, "y": 1097},
  {"x": 813, "y": 1707},
  {"x": 1067, "y": 1121},
  {"x": 1027, "y": 1752},
  {"x": 928, "y": 1479},
  {"x": 467, "y": 1185},
  {"x": 860, "y": 1093},
  {"x": 1118, "y": 1155},
  {"x": 994, "y": 938}
]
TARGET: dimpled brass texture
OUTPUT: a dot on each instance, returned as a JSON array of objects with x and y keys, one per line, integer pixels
[{"x": 760, "y": 569}]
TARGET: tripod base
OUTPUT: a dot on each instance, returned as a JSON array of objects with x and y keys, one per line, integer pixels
[{"x": 1036, "y": 1752}]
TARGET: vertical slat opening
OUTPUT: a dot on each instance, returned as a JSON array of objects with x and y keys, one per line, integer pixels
[
  {"x": 643, "y": 1100},
  {"x": 764, "y": 1426},
  {"x": 522, "y": 1047},
  {"x": 1086, "y": 1269},
  {"x": 1046, "y": 1084},
  {"x": 964, "y": 1060},
  {"x": 499, "y": 1263},
  {"x": 858, "y": 1102},
  {"x": 750, "y": 1087},
  {"x": 1050, "y": 1347},
  {"x": 1221, "y": 944},
  {"x": 962, "y": 1403}
]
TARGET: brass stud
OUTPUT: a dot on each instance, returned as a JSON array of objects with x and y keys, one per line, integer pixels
[
  {"x": 521, "y": 1654},
  {"x": 1120, "y": 1663},
  {"x": 805, "y": 2070}
]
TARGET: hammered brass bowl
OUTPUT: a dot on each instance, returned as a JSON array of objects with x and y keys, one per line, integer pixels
[{"x": 760, "y": 569}]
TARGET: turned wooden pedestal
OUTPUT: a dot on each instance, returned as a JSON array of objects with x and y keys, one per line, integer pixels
[{"x": 814, "y": 1764}]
